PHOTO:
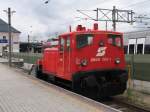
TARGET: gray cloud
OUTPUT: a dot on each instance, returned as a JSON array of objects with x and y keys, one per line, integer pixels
[{"x": 57, "y": 15}]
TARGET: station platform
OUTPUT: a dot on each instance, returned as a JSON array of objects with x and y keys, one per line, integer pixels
[
  {"x": 3, "y": 60},
  {"x": 20, "y": 92}
]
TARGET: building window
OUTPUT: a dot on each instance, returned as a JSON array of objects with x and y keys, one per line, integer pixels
[
  {"x": 125, "y": 49},
  {"x": 147, "y": 49},
  {"x": 4, "y": 37},
  {"x": 140, "y": 49},
  {"x": 131, "y": 48}
]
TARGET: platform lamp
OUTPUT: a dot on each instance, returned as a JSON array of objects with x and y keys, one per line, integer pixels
[{"x": 47, "y": 1}]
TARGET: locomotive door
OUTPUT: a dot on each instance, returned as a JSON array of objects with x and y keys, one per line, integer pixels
[
  {"x": 61, "y": 58},
  {"x": 64, "y": 57},
  {"x": 67, "y": 54}
]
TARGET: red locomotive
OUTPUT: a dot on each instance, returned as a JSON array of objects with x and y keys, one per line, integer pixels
[{"x": 91, "y": 61}]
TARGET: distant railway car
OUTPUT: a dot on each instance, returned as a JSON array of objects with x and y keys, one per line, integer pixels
[{"x": 91, "y": 61}]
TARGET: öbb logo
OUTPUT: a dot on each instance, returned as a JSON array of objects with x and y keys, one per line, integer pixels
[{"x": 101, "y": 51}]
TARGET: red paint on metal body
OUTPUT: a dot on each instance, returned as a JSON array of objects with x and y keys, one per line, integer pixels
[{"x": 65, "y": 63}]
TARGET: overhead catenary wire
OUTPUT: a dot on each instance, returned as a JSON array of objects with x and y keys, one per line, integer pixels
[
  {"x": 135, "y": 4},
  {"x": 140, "y": 17}
]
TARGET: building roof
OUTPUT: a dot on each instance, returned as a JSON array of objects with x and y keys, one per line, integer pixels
[
  {"x": 4, "y": 27},
  {"x": 137, "y": 31},
  {"x": 137, "y": 34}
]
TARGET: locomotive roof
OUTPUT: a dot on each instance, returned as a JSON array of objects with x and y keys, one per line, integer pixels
[{"x": 92, "y": 32}]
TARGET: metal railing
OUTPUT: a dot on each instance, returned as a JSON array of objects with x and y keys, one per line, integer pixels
[
  {"x": 26, "y": 57},
  {"x": 139, "y": 64}
]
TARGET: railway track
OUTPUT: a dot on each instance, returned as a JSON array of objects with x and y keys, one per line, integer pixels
[
  {"x": 117, "y": 104},
  {"x": 124, "y": 106},
  {"x": 114, "y": 102}
]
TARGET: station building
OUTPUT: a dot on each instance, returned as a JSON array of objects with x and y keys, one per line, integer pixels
[
  {"x": 4, "y": 37},
  {"x": 137, "y": 42}
]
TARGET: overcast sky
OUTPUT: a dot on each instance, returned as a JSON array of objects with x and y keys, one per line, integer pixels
[{"x": 43, "y": 20}]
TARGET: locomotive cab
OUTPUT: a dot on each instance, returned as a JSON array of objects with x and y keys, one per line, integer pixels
[{"x": 100, "y": 63}]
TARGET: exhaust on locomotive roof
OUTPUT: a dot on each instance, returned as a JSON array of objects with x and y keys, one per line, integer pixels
[
  {"x": 81, "y": 28},
  {"x": 95, "y": 26}
]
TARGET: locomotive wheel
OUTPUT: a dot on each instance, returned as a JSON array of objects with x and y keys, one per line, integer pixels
[
  {"x": 38, "y": 72},
  {"x": 76, "y": 84},
  {"x": 89, "y": 87}
]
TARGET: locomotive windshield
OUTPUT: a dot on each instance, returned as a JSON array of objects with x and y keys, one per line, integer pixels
[
  {"x": 83, "y": 40},
  {"x": 115, "y": 40}
]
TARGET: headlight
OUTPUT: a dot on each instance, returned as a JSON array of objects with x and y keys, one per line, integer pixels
[
  {"x": 84, "y": 62},
  {"x": 117, "y": 60}
]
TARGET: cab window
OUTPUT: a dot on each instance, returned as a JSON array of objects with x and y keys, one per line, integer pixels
[
  {"x": 83, "y": 40},
  {"x": 68, "y": 43},
  {"x": 115, "y": 40},
  {"x": 62, "y": 44}
]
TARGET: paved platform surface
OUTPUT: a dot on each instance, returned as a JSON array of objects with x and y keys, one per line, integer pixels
[
  {"x": 5, "y": 60},
  {"x": 20, "y": 93},
  {"x": 2, "y": 60}
]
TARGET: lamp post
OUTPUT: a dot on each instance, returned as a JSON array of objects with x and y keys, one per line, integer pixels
[
  {"x": 47, "y": 1},
  {"x": 9, "y": 12}
]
